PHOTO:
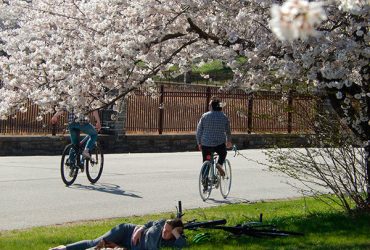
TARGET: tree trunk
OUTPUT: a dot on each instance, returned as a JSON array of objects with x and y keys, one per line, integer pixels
[
  {"x": 187, "y": 77},
  {"x": 367, "y": 165}
]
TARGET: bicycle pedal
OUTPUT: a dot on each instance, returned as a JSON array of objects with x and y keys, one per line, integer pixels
[
  {"x": 214, "y": 180},
  {"x": 217, "y": 183}
]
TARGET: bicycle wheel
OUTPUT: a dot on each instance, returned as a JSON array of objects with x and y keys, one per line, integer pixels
[
  {"x": 94, "y": 166},
  {"x": 205, "y": 183},
  {"x": 256, "y": 232},
  {"x": 68, "y": 168},
  {"x": 225, "y": 181},
  {"x": 274, "y": 233}
]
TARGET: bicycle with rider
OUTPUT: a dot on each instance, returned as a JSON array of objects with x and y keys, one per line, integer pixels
[
  {"x": 78, "y": 123},
  {"x": 214, "y": 133}
]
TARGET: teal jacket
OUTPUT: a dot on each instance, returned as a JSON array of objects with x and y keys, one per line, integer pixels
[{"x": 151, "y": 239}]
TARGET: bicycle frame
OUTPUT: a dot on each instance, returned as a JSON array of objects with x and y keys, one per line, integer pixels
[
  {"x": 256, "y": 231},
  {"x": 83, "y": 141},
  {"x": 212, "y": 160},
  {"x": 87, "y": 137},
  {"x": 81, "y": 145}
]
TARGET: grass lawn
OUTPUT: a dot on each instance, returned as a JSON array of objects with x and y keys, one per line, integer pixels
[{"x": 324, "y": 228}]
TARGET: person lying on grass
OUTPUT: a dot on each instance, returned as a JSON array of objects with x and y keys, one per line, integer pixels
[{"x": 152, "y": 236}]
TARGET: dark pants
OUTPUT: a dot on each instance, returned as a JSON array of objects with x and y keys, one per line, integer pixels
[
  {"x": 121, "y": 235},
  {"x": 220, "y": 150}
]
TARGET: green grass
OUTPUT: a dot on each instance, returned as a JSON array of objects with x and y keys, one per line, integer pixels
[
  {"x": 324, "y": 228},
  {"x": 217, "y": 71},
  {"x": 210, "y": 67}
]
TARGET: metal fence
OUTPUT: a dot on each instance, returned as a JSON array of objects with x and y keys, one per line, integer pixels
[
  {"x": 25, "y": 123},
  {"x": 177, "y": 109}
]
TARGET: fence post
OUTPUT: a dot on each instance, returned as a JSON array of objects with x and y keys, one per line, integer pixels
[
  {"x": 161, "y": 107},
  {"x": 53, "y": 129},
  {"x": 208, "y": 98},
  {"x": 250, "y": 112},
  {"x": 290, "y": 111}
]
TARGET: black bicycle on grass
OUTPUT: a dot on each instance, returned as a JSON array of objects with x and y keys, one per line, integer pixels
[
  {"x": 72, "y": 162},
  {"x": 254, "y": 228}
]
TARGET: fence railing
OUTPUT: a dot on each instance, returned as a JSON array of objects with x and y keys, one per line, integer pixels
[{"x": 178, "y": 109}]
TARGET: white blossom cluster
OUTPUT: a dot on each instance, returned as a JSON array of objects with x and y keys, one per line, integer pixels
[
  {"x": 354, "y": 6},
  {"x": 87, "y": 54},
  {"x": 296, "y": 19}
]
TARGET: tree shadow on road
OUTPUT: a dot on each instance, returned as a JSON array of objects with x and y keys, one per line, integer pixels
[{"x": 105, "y": 187}]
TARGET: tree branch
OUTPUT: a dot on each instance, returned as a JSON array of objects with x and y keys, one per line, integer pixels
[{"x": 206, "y": 36}]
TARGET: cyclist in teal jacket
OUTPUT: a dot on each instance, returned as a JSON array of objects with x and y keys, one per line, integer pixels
[{"x": 77, "y": 124}]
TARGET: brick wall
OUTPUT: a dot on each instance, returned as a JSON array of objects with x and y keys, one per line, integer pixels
[{"x": 53, "y": 145}]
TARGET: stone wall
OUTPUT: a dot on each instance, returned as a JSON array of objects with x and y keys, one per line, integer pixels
[{"x": 53, "y": 145}]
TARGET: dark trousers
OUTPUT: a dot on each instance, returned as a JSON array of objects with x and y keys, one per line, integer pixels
[
  {"x": 121, "y": 235},
  {"x": 220, "y": 150}
]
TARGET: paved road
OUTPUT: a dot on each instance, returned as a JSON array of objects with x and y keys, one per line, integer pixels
[{"x": 32, "y": 193}]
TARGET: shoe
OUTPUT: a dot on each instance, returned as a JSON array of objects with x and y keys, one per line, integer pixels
[
  {"x": 86, "y": 154},
  {"x": 220, "y": 170},
  {"x": 72, "y": 170}
]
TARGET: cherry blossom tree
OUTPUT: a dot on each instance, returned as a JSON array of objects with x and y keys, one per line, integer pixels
[{"x": 87, "y": 54}]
